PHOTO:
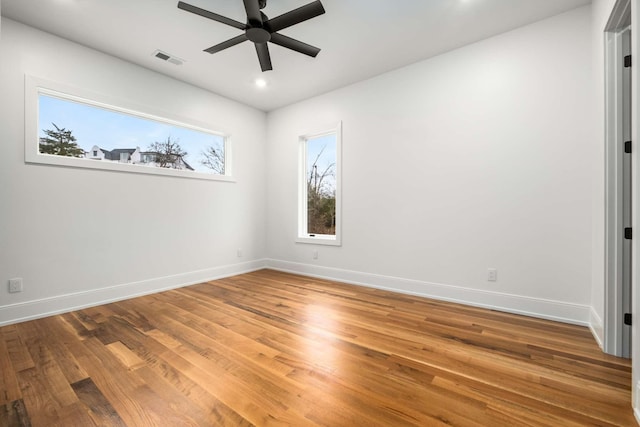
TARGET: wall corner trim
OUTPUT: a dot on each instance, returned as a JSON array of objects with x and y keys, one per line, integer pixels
[
  {"x": 35, "y": 309},
  {"x": 597, "y": 327},
  {"x": 536, "y": 307}
]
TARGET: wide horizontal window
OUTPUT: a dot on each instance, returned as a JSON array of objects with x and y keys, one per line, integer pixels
[{"x": 74, "y": 131}]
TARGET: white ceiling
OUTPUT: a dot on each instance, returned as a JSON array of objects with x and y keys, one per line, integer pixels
[{"x": 359, "y": 38}]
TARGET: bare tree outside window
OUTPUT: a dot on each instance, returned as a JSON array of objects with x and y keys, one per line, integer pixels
[
  {"x": 321, "y": 192},
  {"x": 213, "y": 158},
  {"x": 168, "y": 154},
  {"x": 319, "y": 187}
]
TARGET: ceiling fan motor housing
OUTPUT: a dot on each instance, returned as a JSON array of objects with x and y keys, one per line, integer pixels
[{"x": 258, "y": 35}]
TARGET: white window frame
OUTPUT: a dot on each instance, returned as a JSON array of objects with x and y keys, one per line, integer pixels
[
  {"x": 35, "y": 86},
  {"x": 302, "y": 235}
]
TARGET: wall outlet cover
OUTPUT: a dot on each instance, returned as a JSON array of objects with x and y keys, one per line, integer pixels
[{"x": 15, "y": 285}]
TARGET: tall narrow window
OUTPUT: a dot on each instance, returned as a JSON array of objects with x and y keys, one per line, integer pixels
[{"x": 319, "y": 188}]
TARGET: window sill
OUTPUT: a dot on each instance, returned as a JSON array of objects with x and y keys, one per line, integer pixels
[
  {"x": 52, "y": 160},
  {"x": 320, "y": 240}
]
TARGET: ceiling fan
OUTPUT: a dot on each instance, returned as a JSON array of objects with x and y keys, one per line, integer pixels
[{"x": 259, "y": 29}]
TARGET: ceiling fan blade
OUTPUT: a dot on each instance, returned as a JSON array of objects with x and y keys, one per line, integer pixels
[
  {"x": 263, "y": 56},
  {"x": 294, "y": 44},
  {"x": 231, "y": 42},
  {"x": 214, "y": 16},
  {"x": 254, "y": 16},
  {"x": 295, "y": 16}
]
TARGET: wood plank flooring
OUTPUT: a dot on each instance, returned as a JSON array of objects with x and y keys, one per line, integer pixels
[{"x": 275, "y": 349}]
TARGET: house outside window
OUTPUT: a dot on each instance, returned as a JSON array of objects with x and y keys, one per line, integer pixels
[{"x": 68, "y": 126}]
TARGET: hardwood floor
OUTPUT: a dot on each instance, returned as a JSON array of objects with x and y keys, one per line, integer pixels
[{"x": 274, "y": 349}]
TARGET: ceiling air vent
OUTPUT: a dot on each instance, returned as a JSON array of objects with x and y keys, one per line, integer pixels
[{"x": 167, "y": 57}]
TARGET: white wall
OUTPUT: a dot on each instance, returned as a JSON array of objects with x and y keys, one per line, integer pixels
[
  {"x": 74, "y": 235},
  {"x": 481, "y": 157}
]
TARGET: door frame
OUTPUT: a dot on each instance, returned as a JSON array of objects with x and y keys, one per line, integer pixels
[{"x": 614, "y": 329}]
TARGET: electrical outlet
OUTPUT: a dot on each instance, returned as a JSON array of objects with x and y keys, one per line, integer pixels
[
  {"x": 315, "y": 254},
  {"x": 239, "y": 253},
  {"x": 492, "y": 275},
  {"x": 15, "y": 285}
]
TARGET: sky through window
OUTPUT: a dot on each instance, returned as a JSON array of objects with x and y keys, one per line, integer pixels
[{"x": 110, "y": 130}]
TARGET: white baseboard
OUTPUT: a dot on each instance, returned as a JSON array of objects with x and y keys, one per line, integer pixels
[
  {"x": 636, "y": 402},
  {"x": 536, "y": 307},
  {"x": 597, "y": 327},
  {"x": 35, "y": 309}
]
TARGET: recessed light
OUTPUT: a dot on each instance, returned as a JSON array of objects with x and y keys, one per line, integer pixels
[{"x": 261, "y": 83}]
